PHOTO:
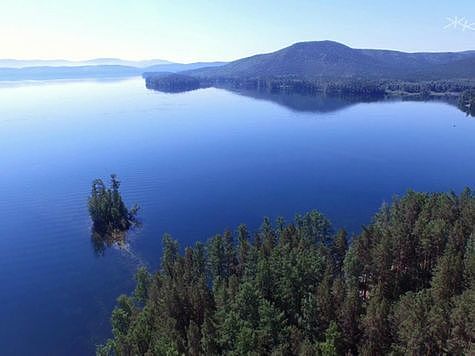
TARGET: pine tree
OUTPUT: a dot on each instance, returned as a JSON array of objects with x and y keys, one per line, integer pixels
[
  {"x": 462, "y": 321},
  {"x": 143, "y": 280},
  {"x": 209, "y": 345},
  {"x": 217, "y": 258},
  {"x": 332, "y": 344},
  {"x": 376, "y": 325},
  {"x": 339, "y": 249},
  {"x": 469, "y": 263},
  {"x": 169, "y": 255},
  {"x": 194, "y": 339},
  {"x": 411, "y": 322},
  {"x": 243, "y": 248},
  {"x": 448, "y": 276},
  {"x": 349, "y": 318},
  {"x": 272, "y": 328}
]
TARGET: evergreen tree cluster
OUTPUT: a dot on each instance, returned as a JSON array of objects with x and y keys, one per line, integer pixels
[
  {"x": 107, "y": 210},
  {"x": 405, "y": 285}
]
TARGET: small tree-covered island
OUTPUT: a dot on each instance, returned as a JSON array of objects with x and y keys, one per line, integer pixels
[
  {"x": 404, "y": 286},
  {"x": 111, "y": 218}
]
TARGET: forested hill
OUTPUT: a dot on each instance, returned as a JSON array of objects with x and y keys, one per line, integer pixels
[
  {"x": 327, "y": 59},
  {"x": 405, "y": 285}
]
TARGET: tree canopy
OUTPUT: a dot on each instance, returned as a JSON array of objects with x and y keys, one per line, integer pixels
[{"x": 404, "y": 285}]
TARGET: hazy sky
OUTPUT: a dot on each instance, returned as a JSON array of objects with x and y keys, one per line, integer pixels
[{"x": 196, "y": 30}]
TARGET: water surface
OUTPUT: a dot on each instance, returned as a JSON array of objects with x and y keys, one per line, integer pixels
[{"x": 197, "y": 163}]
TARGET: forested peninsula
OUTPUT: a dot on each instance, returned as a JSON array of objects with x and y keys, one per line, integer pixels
[
  {"x": 327, "y": 68},
  {"x": 404, "y": 286}
]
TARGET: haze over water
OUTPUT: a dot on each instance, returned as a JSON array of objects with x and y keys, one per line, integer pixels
[{"x": 197, "y": 163}]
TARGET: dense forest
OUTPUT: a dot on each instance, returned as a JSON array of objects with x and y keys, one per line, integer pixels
[
  {"x": 364, "y": 88},
  {"x": 404, "y": 285},
  {"x": 171, "y": 82}
]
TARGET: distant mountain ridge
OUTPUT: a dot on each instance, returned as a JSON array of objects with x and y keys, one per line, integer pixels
[
  {"x": 328, "y": 59},
  {"x": 303, "y": 61},
  {"x": 96, "y": 68},
  {"x": 23, "y": 63}
]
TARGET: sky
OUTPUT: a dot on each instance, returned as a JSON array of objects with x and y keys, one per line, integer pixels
[{"x": 209, "y": 30}]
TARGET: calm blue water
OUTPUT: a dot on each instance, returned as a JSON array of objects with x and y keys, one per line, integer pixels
[{"x": 197, "y": 163}]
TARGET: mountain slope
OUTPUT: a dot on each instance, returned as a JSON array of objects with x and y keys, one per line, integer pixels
[
  {"x": 327, "y": 59},
  {"x": 305, "y": 59}
]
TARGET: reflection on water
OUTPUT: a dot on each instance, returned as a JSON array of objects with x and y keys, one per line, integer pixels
[
  {"x": 319, "y": 103},
  {"x": 327, "y": 104},
  {"x": 305, "y": 103},
  {"x": 6, "y": 84},
  {"x": 101, "y": 240}
]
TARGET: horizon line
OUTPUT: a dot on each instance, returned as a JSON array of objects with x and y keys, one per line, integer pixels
[{"x": 76, "y": 60}]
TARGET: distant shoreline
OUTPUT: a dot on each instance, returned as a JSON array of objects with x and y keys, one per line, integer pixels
[
  {"x": 94, "y": 71},
  {"x": 455, "y": 92}
]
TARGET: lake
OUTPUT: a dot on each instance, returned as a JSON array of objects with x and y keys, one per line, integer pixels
[{"x": 197, "y": 163}]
